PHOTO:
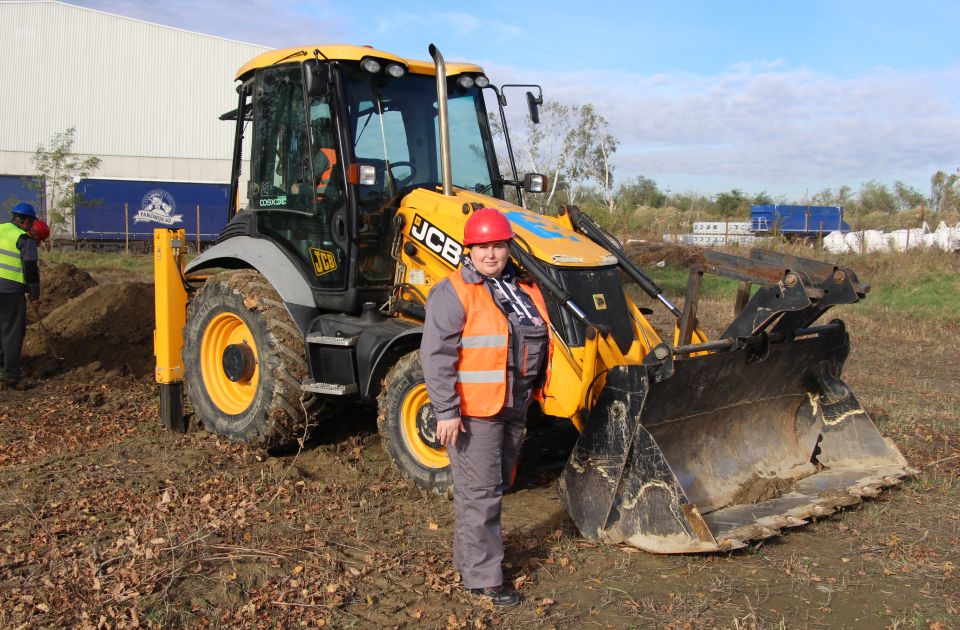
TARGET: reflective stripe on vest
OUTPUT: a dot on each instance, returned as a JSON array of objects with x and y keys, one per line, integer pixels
[
  {"x": 11, "y": 264},
  {"x": 482, "y": 363}
]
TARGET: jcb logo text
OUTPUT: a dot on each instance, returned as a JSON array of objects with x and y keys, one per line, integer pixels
[
  {"x": 436, "y": 240},
  {"x": 323, "y": 261}
]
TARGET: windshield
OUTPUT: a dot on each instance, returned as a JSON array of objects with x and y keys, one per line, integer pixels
[{"x": 394, "y": 127}]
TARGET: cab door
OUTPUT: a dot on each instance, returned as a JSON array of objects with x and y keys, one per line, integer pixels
[{"x": 296, "y": 183}]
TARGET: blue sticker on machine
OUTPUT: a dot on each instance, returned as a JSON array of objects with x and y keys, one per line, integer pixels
[{"x": 539, "y": 225}]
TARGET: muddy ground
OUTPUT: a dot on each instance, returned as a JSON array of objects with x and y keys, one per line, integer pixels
[{"x": 106, "y": 520}]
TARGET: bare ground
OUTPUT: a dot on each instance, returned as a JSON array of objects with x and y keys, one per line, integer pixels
[{"x": 106, "y": 520}]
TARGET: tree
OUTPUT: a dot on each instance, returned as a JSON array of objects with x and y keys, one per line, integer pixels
[
  {"x": 762, "y": 198},
  {"x": 876, "y": 197},
  {"x": 730, "y": 203},
  {"x": 640, "y": 191},
  {"x": 907, "y": 197},
  {"x": 60, "y": 167},
  {"x": 943, "y": 192},
  {"x": 548, "y": 148},
  {"x": 829, "y": 197},
  {"x": 594, "y": 149},
  {"x": 823, "y": 198},
  {"x": 843, "y": 197},
  {"x": 572, "y": 147}
]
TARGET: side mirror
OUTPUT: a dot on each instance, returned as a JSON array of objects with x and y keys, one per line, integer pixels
[
  {"x": 533, "y": 104},
  {"x": 315, "y": 79},
  {"x": 534, "y": 182}
]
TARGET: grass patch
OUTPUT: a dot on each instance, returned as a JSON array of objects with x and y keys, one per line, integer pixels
[
  {"x": 673, "y": 280},
  {"x": 925, "y": 293},
  {"x": 117, "y": 261},
  {"x": 922, "y": 283}
]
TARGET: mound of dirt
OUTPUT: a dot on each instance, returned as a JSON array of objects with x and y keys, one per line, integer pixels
[
  {"x": 59, "y": 283},
  {"x": 651, "y": 253},
  {"x": 108, "y": 327}
]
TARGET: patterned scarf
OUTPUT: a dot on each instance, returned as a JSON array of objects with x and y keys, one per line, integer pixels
[{"x": 509, "y": 295}]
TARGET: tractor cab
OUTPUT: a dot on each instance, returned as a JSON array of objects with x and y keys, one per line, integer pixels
[{"x": 339, "y": 136}]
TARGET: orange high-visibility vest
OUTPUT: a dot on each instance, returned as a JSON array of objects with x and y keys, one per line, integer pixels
[
  {"x": 482, "y": 363},
  {"x": 324, "y": 179}
]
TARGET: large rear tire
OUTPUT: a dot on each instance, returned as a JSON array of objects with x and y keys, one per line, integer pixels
[
  {"x": 244, "y": 362},
  {"x": 408, "y": 427}
]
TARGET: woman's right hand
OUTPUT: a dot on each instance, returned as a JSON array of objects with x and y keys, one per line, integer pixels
[{"x": 447, "y": 431}]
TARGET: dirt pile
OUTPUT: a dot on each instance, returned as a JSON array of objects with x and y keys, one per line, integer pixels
[
  {"x": 108, "y": 327},
  {"x": 650, "y": 253},
  {"x": 59, "y": 283}
]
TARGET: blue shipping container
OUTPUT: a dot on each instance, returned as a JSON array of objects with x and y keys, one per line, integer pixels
[
  {"x": 797, "y": 220},
  {"x": 116, "y": 209},
  {"x": 17, "y": 188}
]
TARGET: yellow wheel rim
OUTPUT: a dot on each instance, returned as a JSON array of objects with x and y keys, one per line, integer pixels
[
  {"x": 230, "y": 397},
  {"x": 413, "y": 407}
]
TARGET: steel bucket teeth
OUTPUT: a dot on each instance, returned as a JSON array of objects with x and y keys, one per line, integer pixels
[{"x": 725, "y": 450}]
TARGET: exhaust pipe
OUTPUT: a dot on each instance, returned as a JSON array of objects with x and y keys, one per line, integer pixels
[{"x": 445, "y": 167}]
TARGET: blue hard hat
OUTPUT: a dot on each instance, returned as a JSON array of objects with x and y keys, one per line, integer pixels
[{"x": 25, "y": 209}]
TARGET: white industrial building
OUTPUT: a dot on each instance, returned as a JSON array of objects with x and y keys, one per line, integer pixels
[{"x": 143, "y": 97}]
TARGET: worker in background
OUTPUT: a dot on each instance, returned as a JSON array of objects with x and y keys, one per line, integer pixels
[
  {"x": 324, "y": 156},
  {"x": 19, "y": 275},
  {"x": 485, "y": 357}
]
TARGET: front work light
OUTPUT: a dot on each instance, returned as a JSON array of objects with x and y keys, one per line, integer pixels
[
  {"x": 534, "y": 182},
  {"x": 395, "y": 70},
  {"x": 465, "y": 81},
  {"x": 368, "y": 175},
  {"x": 481, "y": 81},
  {"x": 370, "y": 65}
]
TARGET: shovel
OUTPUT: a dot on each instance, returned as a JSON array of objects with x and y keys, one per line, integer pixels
[{"x": 46, "y": 338}]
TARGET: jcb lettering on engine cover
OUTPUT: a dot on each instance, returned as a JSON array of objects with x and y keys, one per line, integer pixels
[
  {"x": 323, "y": 261},
  {"x": 436, "y": 240}
]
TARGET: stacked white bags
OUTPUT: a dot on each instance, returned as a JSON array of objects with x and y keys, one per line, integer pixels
[{"x": 944, "y": 237}]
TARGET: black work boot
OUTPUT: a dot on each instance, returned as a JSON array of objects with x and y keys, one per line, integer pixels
[{"x": 500, "y": 596}]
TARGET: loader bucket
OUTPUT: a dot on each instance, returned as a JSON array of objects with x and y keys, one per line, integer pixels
[{"x": 707, "y": 452}]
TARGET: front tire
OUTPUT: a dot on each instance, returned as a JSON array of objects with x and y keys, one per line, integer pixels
[
  {"x": 244, "y": 362},
  {"x": 408, "y": 427}
]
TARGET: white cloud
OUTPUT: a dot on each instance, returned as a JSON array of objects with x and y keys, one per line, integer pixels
[{"x": 764, "y": 126}]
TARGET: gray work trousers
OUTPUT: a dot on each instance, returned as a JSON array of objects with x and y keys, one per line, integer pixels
[
  {"x": 482, "y": 462},
  {"x": 13, "y": 327}
]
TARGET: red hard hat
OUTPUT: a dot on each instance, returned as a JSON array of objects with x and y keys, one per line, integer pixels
[
  {"x": 40, "y": 229},
  {"x": 486, "y": 225}
]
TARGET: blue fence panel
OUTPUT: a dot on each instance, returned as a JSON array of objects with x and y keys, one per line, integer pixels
[
  {"x": 113, "y": 209},
  {"x": 17, "y": 188}
]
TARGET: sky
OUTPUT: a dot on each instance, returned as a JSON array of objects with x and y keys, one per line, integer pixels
[{"x": 786, "y": 97}]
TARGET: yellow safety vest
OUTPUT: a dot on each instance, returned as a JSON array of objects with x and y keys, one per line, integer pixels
[{"x": 11, "y": 264}]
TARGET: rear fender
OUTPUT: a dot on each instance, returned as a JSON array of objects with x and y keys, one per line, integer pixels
[
  {"x": 244, "y": 252},
  {"x": 400, "y": 345}
]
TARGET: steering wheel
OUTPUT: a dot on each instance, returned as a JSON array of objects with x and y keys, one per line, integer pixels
[{"x": 403, "y": 181}]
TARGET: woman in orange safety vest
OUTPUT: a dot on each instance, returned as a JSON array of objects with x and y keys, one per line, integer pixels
[{"x": 485, "y": 356}]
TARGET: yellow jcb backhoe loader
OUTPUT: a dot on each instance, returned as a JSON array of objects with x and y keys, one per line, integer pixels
[{"x": 363, "y": 168}]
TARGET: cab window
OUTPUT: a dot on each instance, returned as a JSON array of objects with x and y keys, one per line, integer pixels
[{"x": 281, "y": 178}]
